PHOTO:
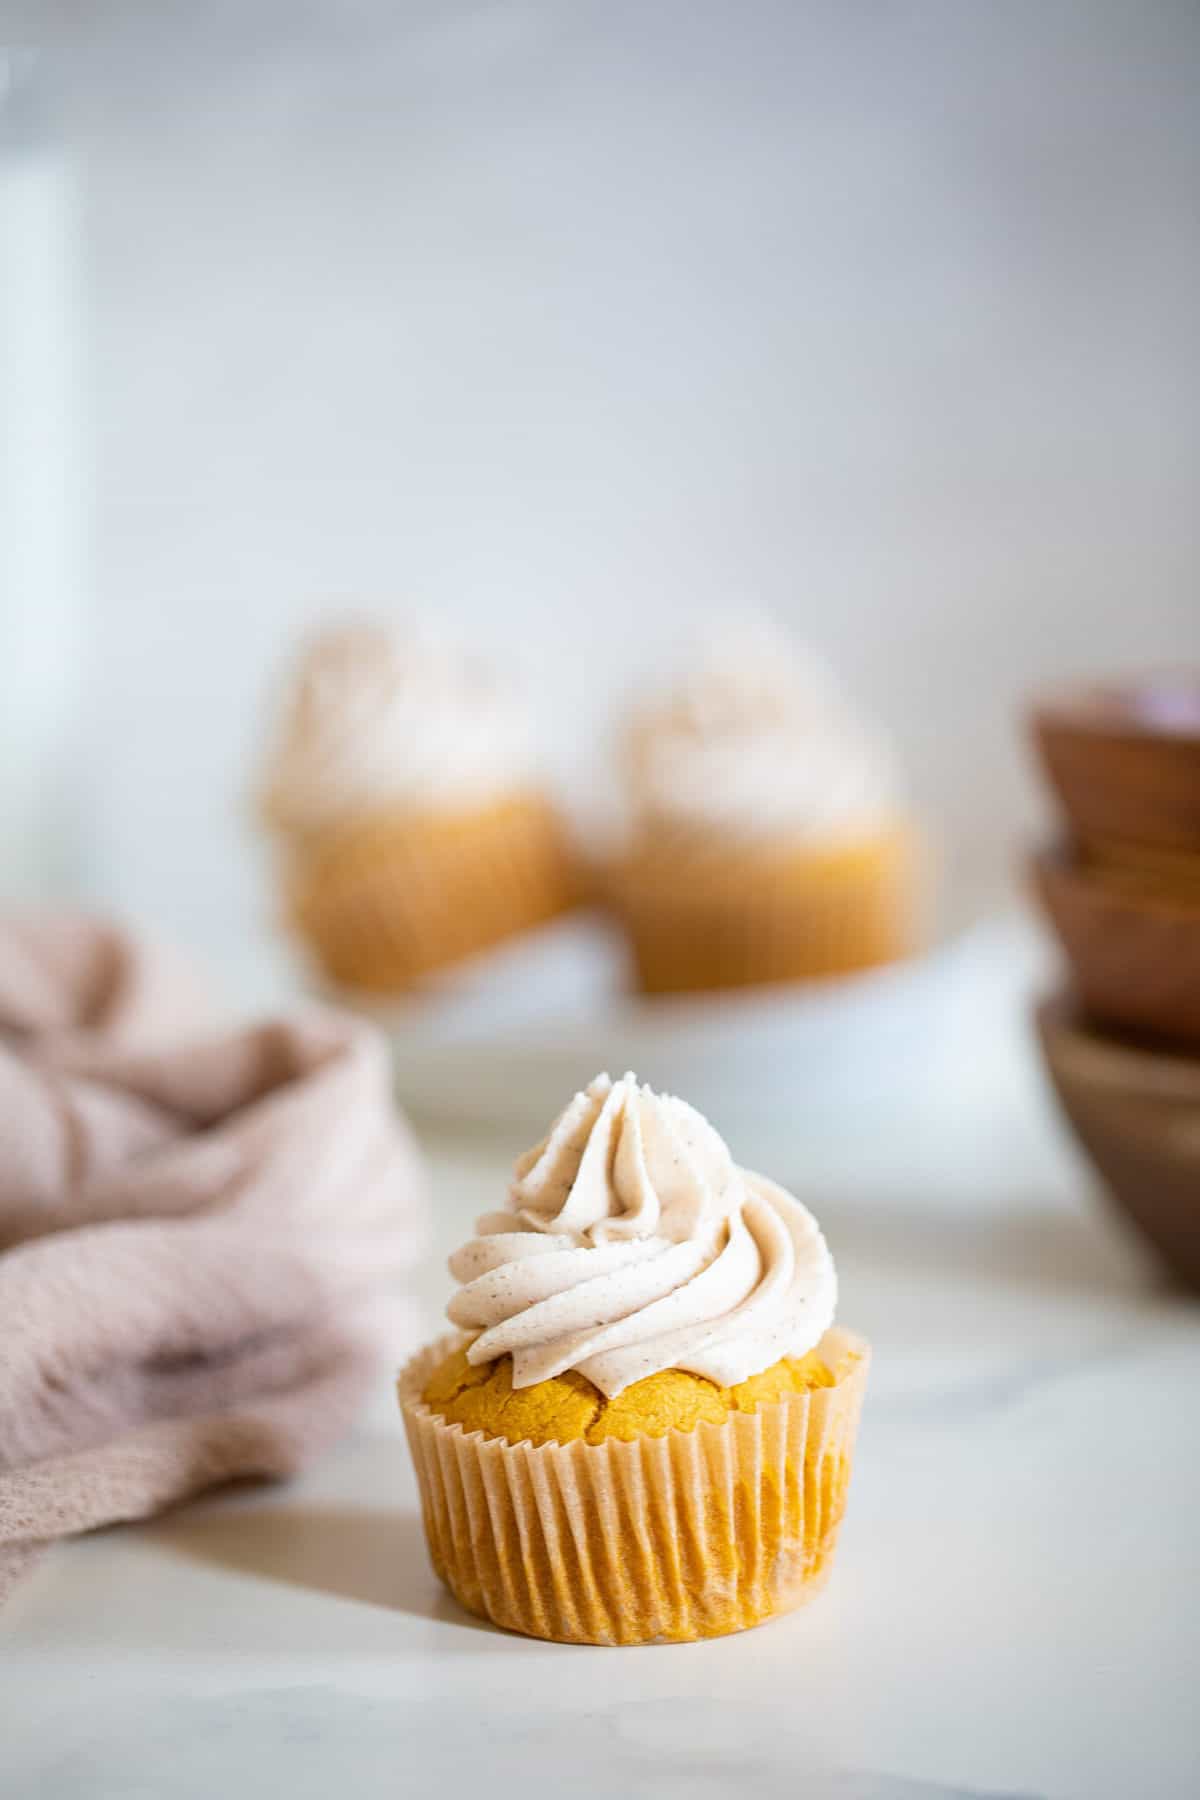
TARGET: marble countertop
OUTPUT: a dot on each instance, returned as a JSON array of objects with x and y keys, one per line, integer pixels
[{"x": 1013, "y": 1612}]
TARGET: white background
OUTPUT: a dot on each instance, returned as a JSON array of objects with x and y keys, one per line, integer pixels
[{"x": 567, "y": 322}]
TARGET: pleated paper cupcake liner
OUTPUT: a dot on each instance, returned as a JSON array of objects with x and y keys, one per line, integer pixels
[
  {"x": 697, "y": 922},
  {"x": 661, "y": 1540},
  {"x": 391, "y": 899}
]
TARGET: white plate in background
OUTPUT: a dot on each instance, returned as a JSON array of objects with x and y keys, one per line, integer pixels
[{"x": 505, "y": 1042}]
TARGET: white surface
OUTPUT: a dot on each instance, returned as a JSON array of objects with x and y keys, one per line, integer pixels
[
  {"x": 568, "y": 321},
  {"x": 1013, "y": 1611}
]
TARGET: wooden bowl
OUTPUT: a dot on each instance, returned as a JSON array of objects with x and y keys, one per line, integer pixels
[
  {"x": 1124, "y": 760},
  {"x": 1137, "y": 1114},
  {"x": 1133, "y": 944}
]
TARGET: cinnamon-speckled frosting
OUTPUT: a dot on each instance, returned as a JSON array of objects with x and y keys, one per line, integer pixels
[
  {"x": 633, "y": 1243},
  {"x": 380, "y": 716},
  {"x": 758, "y": 743}
]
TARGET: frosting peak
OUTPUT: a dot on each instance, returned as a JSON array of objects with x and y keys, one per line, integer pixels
[
  {"x": 622, "y": 1162},
  {"x": 633, "y": 1243}
]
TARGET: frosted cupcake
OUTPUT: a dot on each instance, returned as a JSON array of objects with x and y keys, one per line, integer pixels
[
  {"x": 644, "y": 1430},
  {"x": 411, "y": 828},
  {"x": 768, "y": 842}
]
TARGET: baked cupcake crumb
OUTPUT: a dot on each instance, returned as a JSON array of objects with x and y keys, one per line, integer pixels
[{"x": 481, "y": 1397}]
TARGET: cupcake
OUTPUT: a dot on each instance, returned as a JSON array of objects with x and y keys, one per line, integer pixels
[
  {"x": 643, "y": 1428},
  {"x": 400, "y": 790},
  {"x": 767, "y": 839}
]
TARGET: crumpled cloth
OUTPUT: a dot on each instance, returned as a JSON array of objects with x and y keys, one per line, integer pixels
[{"x": 203, "y": 1233}]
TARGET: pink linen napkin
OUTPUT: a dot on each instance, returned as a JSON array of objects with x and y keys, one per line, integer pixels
[{"x": 200, "y": 1233}]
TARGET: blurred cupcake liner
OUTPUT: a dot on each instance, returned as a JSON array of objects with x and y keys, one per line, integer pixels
[
  {"x": 659, "y": 1540},
  {"x": 702, "y": 920},
  {"x": 388, "y": 899}
]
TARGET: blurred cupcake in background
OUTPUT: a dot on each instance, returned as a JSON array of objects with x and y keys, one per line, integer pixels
[
  {"x": 401, "y": 791},
  {"x": 767, "y": 840}
]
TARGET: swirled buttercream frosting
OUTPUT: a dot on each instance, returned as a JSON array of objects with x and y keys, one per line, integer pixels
[
  {"x": 378, "y": 716},
  {"x": 757, "y": 743},
  {"x": 631, "y": 1243}
]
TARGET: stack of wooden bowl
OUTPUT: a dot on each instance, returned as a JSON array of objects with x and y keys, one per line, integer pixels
[{"x": 1121, "y": 888}]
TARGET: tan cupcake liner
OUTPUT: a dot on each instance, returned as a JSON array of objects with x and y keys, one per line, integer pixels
[
  {"x": 662, "y": 1540},
  {"x": 701, "y": 921},
  {"x": 389, "y": 899}
]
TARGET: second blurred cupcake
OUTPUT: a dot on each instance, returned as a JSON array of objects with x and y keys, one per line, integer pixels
[
  {"x": 767, "y": 841},
  {"x": 411, "y": 828}
]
